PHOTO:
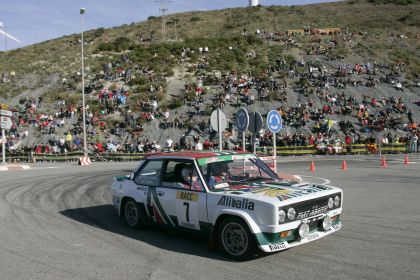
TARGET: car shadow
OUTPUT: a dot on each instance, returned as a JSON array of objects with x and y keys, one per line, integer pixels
[{"x": 106, "y": 218}]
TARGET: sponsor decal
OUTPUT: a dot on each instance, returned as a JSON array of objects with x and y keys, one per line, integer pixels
[
  {"x": 313, "y": 236},
  {"x": 224, "y": 157},
  {"x": 309, "y": 190},
  {"x": 187, "y": 196},
  {"x": 276, "y": 192},
  {"x": 236, "y": 157},
  {"x": 243, "y": 203},
  {"x": 277, "y": 247},
  {"x": 316, "y": 210},
  {"x": 188, "y": 225},
  {"x": 212, "y": 159}
]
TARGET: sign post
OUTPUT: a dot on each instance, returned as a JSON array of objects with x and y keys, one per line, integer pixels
[
  {"x": 242, "y": 123},
  {"x": 5, "y": 123},
  {"x": 3, "y": 146},
  {"x": 218, "y": 122},
  {"x": 275, "y": 124},
  {"x": 255, "y": 125}
]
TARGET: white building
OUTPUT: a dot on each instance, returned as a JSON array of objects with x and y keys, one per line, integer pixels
[{"x": 253, "y": 3}]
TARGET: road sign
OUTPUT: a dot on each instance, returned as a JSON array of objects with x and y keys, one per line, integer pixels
[
  {"x": 218, "y": 122},
  {"x": 274, "y": 121},
  {"x": 5, "y": 113},
  {"x": 255, "y": 122},
  {"x": 214, "y": 120},
  {"x": 5, "y": 123},
  {"x": 242, "y": 120}
]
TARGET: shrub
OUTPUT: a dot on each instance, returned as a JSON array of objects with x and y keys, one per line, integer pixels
[
  {"x": 195, "y": 18},
  {"x": 176, "y": 103}
]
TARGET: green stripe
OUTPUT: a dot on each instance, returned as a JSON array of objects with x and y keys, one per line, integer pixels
[
  {"x": 121, "y": 178},
  {"x": 231, "y": 156},
  {"x": 159, "y": 206}
]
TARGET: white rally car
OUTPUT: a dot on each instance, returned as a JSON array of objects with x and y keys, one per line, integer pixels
[{"x": 232, "y": 197}]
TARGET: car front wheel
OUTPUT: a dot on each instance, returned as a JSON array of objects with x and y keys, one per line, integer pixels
[{"x": 236, "y": 239}]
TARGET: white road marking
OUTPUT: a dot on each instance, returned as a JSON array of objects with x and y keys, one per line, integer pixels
[{"x": 326, "y": 181}]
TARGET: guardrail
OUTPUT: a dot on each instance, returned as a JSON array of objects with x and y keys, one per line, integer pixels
[
  {"x": 353, "y": 149},
  {"x": 266, "y": 150}
]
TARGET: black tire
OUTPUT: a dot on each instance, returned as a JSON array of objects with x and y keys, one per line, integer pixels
[
  {"x": 132, "y": 213},
  {"x": 235, "y": 239}
]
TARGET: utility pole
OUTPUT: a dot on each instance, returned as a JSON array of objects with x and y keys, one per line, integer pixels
[{"x": 162, "y": 10}]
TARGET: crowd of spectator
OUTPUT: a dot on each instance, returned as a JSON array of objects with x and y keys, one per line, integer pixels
[{"x": 324, "y": 115}]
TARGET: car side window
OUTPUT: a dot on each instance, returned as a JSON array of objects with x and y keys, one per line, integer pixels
[
  {"x": 181, "y": 175},
  {"x": 150, "y": 174}
]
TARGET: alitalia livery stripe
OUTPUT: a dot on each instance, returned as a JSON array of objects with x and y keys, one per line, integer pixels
[{"x": 152, "y": 199}]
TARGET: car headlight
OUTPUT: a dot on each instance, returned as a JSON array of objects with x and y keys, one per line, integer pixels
[
  {"x": 303, "y": 230},
  {"x": 282, "y": 215},
  {"x": 326, "y": 223},
  {"x": 291, "y": 213},
  {"x": 336, "y": 201},
  {"x": 330, "y": 203}
]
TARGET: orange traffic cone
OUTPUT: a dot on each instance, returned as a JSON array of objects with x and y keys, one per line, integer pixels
[
  {"x": 344, "y": 165},
  {"x": 312, "y": 167},
  {"x": 406, "y": 160},
  {"x": 384, "y": 163}
]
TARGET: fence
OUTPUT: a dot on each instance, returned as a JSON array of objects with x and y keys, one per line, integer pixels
[
  {"x": 266, "y": 150},
  {"x": 353, "y": 149}
]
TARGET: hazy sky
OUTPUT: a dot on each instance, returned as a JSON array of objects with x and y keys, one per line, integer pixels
[{"x": 34, "y": 21}]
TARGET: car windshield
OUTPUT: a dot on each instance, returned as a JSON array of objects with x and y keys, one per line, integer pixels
[{"x": 225, "y": 171}]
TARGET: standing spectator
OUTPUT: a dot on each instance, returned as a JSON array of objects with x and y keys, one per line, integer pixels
[
  {"x": 198, "y": 146},
  {"x": 169, "y": 144},
  {"x": 413, "y": 142},
  {"x": 39, "y": 101}
]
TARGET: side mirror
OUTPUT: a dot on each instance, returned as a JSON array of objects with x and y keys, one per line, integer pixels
[{"x": 132, "y": 176}]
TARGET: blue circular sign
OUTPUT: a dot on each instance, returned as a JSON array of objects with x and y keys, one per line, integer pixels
[
  {"x": 274, "y": 121},
  {"x": 242, "y": 120}
]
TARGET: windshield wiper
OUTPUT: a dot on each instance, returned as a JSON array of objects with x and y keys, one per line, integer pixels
[{"x": 251, "y": 179}]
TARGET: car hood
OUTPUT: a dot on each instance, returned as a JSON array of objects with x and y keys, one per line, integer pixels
[{"x": 278, "y": 192}]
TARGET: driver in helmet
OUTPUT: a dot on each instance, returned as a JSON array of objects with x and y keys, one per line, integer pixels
[
  {"x": 219, "y": 173},
  {"x": 190, "y": 179}
]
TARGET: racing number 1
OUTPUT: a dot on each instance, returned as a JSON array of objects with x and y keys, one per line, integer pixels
[{"x": 187, "y": 211}]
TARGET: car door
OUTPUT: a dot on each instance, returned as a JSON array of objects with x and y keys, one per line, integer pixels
[
  {"x": 184, "y": 204},
  {"x": 146, "y": 180}
]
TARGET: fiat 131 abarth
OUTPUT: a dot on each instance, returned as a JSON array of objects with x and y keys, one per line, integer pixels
[{"x": 233, "y": 198}]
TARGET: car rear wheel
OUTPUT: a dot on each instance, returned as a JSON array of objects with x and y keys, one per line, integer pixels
[
  {"x": 132, "y": 213},
  {"x": 236, "y": 239}
]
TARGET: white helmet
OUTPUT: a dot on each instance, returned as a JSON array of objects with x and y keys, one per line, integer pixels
[{"x": 186, "y": 173}]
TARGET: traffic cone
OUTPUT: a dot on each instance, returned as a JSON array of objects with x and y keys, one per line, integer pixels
[
  {"x": 344, "y": 165},
  {"x": 312, "y": 167},
  {"x": 384, "y": 164},
  {"x": 406, "y": 160}
]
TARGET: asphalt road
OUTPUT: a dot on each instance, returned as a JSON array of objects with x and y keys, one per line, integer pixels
[{"x": 56, "y": 222}]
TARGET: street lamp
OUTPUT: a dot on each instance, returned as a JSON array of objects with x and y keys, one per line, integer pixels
[{"x": 82, "y": 11}]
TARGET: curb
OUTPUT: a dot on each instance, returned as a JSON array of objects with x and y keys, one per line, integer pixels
[{"x": 13, "y": 167}]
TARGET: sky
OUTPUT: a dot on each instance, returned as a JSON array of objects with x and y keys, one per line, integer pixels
[{"x": 34, "y": 21}]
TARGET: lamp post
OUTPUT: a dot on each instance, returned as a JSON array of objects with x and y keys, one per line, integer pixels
[{"x": 82, "y": 11}]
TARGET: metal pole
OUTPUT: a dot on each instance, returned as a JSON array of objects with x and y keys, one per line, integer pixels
[
  {"x": 3, "y": 144},
  {"x": 243, "y": 141},
  {"x": 82, "y": 11},
  {"x": 5, "y": 39},
  {"x": 254, "y": 149},
  {"x": 274, "y": 152},
  {"x": 219, "y": 125}
]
